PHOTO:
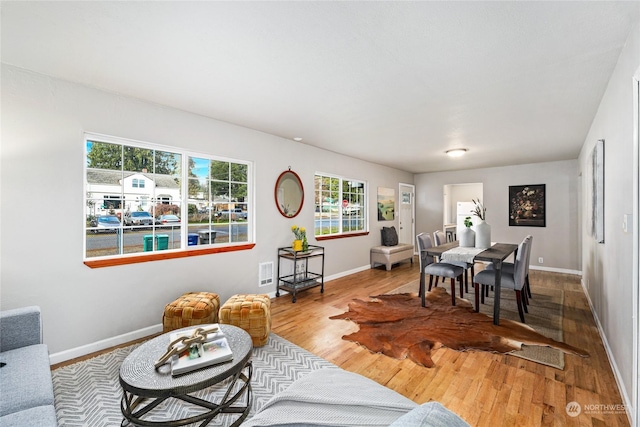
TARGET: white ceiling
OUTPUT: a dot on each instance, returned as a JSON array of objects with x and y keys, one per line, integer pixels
[{"x": 395, "y": 83}]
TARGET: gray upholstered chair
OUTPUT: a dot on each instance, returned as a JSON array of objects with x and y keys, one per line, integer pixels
[
  {"x": 437, "y": 269},
  {"x": 439, "y": 238},
  {"x": 508, "y": 267},
  {"x": 514, "y": 280}
]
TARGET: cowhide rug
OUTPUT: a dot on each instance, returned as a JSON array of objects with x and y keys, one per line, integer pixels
[{"x": 398, "y": 326}]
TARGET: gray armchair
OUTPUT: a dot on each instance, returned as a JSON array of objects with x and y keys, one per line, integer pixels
[{"x": 25, "y": 372}]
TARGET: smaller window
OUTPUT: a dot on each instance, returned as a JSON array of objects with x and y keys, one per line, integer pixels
[
  {"x": 340, "y": 206},
  {"x": 137, "y": 183}
]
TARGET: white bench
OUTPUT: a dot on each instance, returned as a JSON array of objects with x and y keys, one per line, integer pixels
[{"x": 389, "y": 255}]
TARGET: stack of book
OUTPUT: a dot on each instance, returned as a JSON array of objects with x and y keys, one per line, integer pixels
[{"x": 215, "y": 349}]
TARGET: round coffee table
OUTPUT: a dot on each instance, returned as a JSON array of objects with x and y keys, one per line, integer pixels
[{"x": 144, "y": 387}]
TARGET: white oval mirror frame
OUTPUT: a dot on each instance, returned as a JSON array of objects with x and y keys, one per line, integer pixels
[{"x": 289, "y": 194}]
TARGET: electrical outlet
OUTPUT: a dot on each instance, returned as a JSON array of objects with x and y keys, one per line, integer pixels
[{"x": 540, "y": 260}]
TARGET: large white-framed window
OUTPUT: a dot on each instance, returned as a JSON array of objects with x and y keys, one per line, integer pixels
[
  {"x": 143, "y": 199},
  {"x": 340, "y": 205}
]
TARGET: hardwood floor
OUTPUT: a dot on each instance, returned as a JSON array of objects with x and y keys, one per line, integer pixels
[{"x": 485, "y": 389}]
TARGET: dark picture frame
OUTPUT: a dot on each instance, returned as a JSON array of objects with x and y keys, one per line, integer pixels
[{"x": 527, "y": 205}]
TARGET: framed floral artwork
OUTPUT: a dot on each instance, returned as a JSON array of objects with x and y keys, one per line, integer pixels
[{"x": 527, "y": 205}]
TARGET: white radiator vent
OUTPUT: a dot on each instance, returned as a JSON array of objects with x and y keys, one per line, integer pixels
[{"x": 266, "y": 273}]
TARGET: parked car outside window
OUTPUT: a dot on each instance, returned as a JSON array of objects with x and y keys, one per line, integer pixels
[
  {"x": 138, "y": 218},
  {"x": 167, "y": 219},
  {"x": 105, "y": 223}
]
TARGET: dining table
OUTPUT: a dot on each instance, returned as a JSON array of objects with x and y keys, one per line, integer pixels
[{"x": 495, "y": 254}]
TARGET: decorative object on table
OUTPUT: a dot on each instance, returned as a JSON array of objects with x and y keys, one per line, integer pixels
[
  {"x": 397, "y": 326},
  {"x": 597, "y": 202},
  {"x": 527, "y": 205},
  {"x": 386, "y": 204},
  {"x": 194, "y": 349},
  {"x": 300, "y": 243},
  {"x": 191, "y": 309},
  {"x": 467, "y": 236},
  {"x": 483, "y": 230},
  {"x": 289, "y": 194}
]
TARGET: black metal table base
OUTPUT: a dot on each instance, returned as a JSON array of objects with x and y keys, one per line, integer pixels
[{"x": 134, "y": 413}]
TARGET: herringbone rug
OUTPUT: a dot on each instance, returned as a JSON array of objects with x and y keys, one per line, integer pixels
[{"x": 88, "y": 393}]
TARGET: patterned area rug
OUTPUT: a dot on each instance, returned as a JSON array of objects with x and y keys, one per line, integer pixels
[
  {"x": 545, "y": 316},
  {"x": 88, "y": 393}
]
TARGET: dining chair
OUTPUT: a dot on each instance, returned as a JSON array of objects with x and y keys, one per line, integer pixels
[
  {"x": 437, "y": 269},
  {"x": 439, "y": 238},
  {"x": 513, "y": 280},
  {"x": 508, "y": 266}
]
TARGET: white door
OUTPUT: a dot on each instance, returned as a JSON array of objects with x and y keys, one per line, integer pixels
[{"x": 407, "y": 214}]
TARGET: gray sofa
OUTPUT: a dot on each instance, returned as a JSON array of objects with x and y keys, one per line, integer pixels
[
  {"x": 333, "y": 397},
  {"x": 25, "y": 375}
]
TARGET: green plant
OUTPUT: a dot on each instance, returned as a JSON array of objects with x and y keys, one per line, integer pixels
[{"x": 467, "y": 222}]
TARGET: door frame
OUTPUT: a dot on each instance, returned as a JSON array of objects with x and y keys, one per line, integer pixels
[{"x": 413, "y": 210}]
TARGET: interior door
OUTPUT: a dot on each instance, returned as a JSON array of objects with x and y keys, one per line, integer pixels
[{"x": 407, "y": 214}]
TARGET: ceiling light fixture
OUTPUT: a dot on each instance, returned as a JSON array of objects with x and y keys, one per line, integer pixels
[
  {"x": 457, "y": 152},
  {"x": 297, "y": 139}
]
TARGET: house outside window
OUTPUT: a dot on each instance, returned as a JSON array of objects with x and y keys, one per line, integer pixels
[
  {"x": 179, "y": 199},
  {"x": 340, "y": 205}
]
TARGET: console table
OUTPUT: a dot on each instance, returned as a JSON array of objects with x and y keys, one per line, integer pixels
[{"x": 302, "y": 278}]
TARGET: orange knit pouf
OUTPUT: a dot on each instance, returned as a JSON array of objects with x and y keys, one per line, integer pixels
[
  {"x": 192, "y": 308},
  {"x": 251, "y": 313}
]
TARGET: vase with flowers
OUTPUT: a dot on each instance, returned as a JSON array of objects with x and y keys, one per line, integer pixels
[
  {"x": 483, "y": 230},
  {"x": 467, "y": 235},
  {"x": 300, "y": 243}
]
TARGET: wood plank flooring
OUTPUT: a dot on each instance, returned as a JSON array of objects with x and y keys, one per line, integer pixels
[{"x": 485, "y": 389}]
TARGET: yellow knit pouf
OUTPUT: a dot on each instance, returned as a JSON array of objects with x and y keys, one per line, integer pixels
[
  {"x": 192, "y": 308},
  {"x": 251, "y": 313}
]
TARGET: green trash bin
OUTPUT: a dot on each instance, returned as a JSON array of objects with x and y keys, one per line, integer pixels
[
  {"x": 162, "y": 242},
  {"x": 148, "y": 243}
]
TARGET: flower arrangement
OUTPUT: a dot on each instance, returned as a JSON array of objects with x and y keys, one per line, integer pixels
[
  {"x": 301, "y": 234},
  {"x": 480, "y": 211},
  {"x": 467, "y": 222}
]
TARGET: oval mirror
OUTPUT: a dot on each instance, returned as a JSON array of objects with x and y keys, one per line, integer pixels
[{"x": 289, "y": 194}]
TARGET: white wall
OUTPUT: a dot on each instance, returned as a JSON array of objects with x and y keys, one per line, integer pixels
[
  {"x": 43, "y": 120},
  {"x": 557, "y": 243},
  {"x": 607, "y": 272}
]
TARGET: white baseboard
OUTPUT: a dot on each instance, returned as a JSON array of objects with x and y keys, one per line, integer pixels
[
  {"x": 616, "y": 372},
  {"x": 101, "y": 345},
  {"x": 556, "y": 270}
]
